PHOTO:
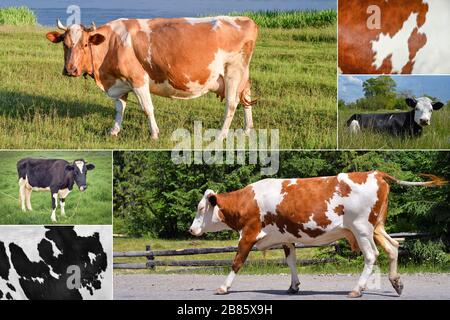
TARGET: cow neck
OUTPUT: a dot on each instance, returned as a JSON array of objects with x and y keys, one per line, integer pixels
[
  {"x": 237, "y": 208},
  {"x": 69, "y": 181},
  {"x": 97, "y": 54},
  {"x": 413, "y": 127}
]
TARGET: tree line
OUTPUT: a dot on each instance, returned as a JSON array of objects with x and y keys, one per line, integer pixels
[
  {"x": 155, "y": 197},
  {"x": 381, "y": 93}
]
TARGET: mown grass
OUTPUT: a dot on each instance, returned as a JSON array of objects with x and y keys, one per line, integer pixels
[
  {"x": 17, "y": 16},
  {"x": 94, "y": 206},
  {"x": 342, "y": 265},
  {"x": 293, "y": 73},
  {"x": 436, "y": 136}
]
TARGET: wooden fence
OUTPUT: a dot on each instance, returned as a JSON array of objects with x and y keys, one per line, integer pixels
[{"x": 152, "y": 254}]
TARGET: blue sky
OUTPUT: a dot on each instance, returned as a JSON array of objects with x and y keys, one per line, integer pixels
[{"x": 350, "y": 87}]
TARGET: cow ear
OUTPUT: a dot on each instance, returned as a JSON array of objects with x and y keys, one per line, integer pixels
[
  {"x": 90, "y": 166},
  {"x": 70, "y": 167},
  {"x": 437, "y": 105},
  {"x": 212, "y": 200},
  {"x": 411, "y": 102},
  {"x": 55, "y": 37},
  {"x": 96, "y": 39}
]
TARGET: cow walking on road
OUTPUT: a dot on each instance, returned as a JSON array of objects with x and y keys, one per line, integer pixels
[
  {"x": 403, "y": 124},
  {"x": 312, "y": 211},
  {"x": 54, "y": 175},
  {"x": 181, "y": 58}
]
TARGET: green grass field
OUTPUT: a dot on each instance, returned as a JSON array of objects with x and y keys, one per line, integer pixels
[
  {"x": 91, "y": 207},
  {"x": 342, "y": 266},
  {"x": 293, "y": 72},
  {"x": 436, "y": 136}
]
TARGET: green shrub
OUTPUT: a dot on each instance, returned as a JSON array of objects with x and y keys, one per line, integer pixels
[
  {"x": 17, "y": 16},
  {"x": 424, "y": 252}
]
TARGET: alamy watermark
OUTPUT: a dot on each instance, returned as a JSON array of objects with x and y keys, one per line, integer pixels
[{"x": 256, "y": 147}]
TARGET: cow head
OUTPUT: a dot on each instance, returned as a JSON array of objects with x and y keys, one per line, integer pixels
[
  {"x": 207, "y": 218},
  {"x": 80, "y": 169},
  {"x": 76, "y": 40},
  {"x": 423, "y": 108}
]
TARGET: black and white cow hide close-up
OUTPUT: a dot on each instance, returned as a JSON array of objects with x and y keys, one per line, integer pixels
[{"x": 55, "y": 262}]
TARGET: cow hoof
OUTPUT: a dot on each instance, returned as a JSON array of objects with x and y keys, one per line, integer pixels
[
  {"x": 155, "y": 136},
  {"x": 114, "y": 132},
  {"x": 355, "y": 294},
  {"x": 398, "y": 286},
  {"x": 221, "y": 291},
  {"x": 292, "y": 290}
]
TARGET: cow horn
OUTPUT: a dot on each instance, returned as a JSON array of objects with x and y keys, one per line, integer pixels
[
  {"x": 93, "y": 26},
  {"x": 60, "y": 25}
]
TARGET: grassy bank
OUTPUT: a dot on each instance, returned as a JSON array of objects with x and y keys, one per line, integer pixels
[
  {"x": 436, "y": 136},
  {"x": 91, "y": 207},
  {"x": 342, "y": 265},
  {"x": 17, "y": 16},
  {"x": 293, "y": 74}
]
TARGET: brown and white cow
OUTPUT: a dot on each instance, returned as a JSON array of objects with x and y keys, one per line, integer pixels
[
  {"x": 179, "y": 58},
  {"x": 311, "y": 211},
  {"x": 387, "y": 36}
]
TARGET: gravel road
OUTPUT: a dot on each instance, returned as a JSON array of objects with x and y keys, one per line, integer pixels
[{"x": 250, "y": 287}]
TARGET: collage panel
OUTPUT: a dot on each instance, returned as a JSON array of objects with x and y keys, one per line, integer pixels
[
  {"x": 393, "y": 37},
  {"x": 59, "y": 187},
  {"x": 229, "y": 231},
  {"x": 222, "y": 155},
  {"x": 55, "y": 262},
  {"x": 394, "y": 112},
  {"x": 274, "y": 68}
]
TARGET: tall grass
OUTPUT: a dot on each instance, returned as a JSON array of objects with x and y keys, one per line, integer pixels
[
  {"x": 17, "y": 16},
  {"x": 90, "y": 207},
  {"x": 291, "y": 19}
]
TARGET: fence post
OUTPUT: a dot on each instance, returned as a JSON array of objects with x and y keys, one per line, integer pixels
[{"x": 150, "y": 258}]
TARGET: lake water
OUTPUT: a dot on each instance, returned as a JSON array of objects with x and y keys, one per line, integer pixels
[{"x": 104, "y": 11}]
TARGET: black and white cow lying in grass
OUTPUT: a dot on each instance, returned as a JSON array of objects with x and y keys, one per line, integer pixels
[
  {"x": 54, "y": 175},
  {"x": 398, "y": 123},
  {"x": 55, "y": 262}
]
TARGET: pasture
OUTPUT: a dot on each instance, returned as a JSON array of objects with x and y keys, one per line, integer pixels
[
  {"x": 293, "y": 75},
  {"x": 91, "y": 207},
  {"x": 436, "y": 136}
]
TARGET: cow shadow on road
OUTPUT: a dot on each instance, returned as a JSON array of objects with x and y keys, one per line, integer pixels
[
  {"x": 20, "y": 105},
  {"x": 335, "y": 293}
]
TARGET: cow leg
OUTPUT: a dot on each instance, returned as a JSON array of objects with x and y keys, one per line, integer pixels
[
  {"x": 390, "y": 246},
  {"x": 28, "y": 198},
  {"x": 62, "y": 200},
  {"x": 244, "y": 248},
  {"x": 289, "y": 252},
  {"x": 248, "y": 119},
  {"x": 365, "y": 242},
  {"x": 120, "y": 104},
  {"x": 54, "y": 205},
  {"x": 22, "y": 193},
  {"x": 145, "y": 100},
  {"x": 233, "y": 77}
]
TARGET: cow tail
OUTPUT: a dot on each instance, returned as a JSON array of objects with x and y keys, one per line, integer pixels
[{"x": 434, "y": 182}]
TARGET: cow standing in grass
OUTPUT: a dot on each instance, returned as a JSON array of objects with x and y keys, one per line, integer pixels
[
  {"x": 179, "y": 58},
  {"x": 54, "y": 175},
  {"x": 312, "y": 211}
]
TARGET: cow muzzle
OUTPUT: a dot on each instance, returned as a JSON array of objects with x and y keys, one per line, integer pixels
[
  {"x": 195, "y": 232},
  {"x": 424, "y": 122},
  {"x": 83, "y": 188},
  {"x": 71, "y": 72}
]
